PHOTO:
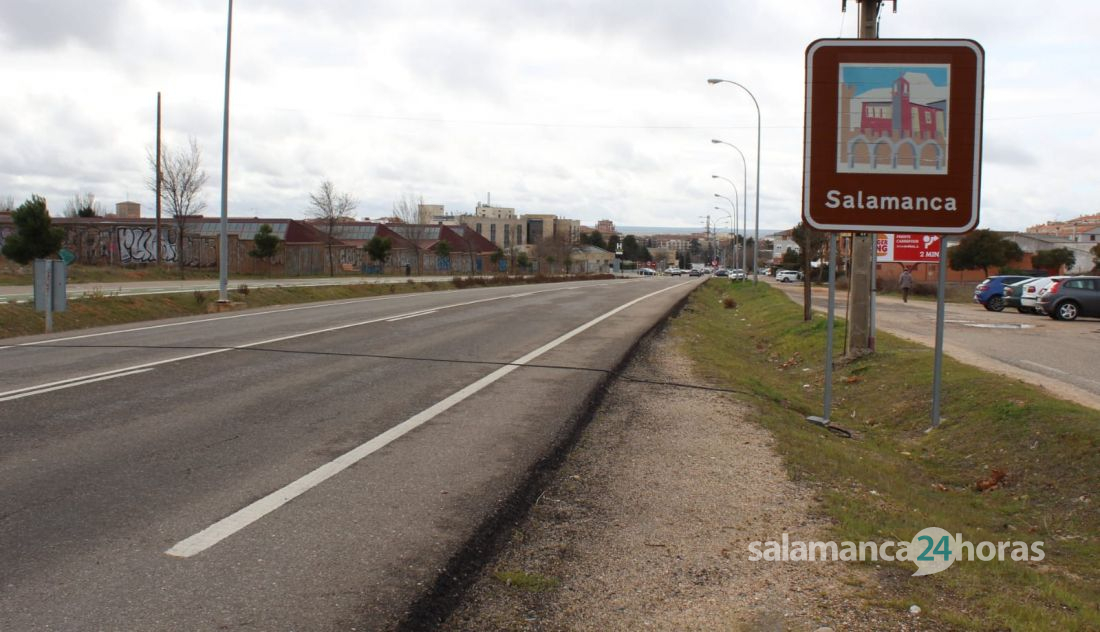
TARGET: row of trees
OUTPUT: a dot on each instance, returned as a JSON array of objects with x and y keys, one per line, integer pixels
[{"x": 633, "y": 250}]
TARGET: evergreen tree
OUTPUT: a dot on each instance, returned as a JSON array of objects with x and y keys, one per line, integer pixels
[
  {"x": 378, "y": 249},
  {"x": 34, "y": 237},
  {"x": 983, "y": 249}
]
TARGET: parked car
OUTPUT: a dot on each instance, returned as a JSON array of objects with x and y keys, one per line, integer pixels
[
  {"x": 1014, "y": 292},
  {"x": 696, "y": 272},
  {"x": 990, "y": 292},
  {"x": 1068, "y": 298},
  {"x": 673, "y": 271},
  {"x": 788, "y": 276},
  {"x": 1032, "y": 290},
  {"x": 737, "y": 274},
  {"x": 646, "y": 272},
  {"x": 721, "y": 272}
]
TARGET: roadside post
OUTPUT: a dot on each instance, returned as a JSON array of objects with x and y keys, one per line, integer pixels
[
  {"x": 893, "y": 144},
  {"x": 829, "y": 321},
  {"x": 50, "y": 279}
]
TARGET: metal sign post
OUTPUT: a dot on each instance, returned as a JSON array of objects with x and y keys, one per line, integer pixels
[
  {"x": 893, "y": 144},
  {"x": 50, "y": 279},
  {"x": 937, "y": 371},
  {"x": 829, "y": 320}
]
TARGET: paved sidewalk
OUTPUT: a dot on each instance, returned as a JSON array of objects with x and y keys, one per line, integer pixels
[{"x": 19, "y": 293}]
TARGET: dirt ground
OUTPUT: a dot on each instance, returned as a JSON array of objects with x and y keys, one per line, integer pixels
[{"x": 647, "y": 523}]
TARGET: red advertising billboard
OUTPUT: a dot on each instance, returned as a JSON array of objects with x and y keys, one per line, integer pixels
[{"x": 908, "y": 247}]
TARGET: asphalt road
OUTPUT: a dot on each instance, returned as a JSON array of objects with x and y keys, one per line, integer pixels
[
  {"x": 1060, "y": 356},
  {"x": 305, "y": 468}
]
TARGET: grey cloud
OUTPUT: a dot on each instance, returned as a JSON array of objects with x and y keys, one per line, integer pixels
[
  {"x": 45, "y": 24},
  {"x": 998, "y": 151}
]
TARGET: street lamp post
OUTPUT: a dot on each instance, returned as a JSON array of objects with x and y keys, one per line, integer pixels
[
  {"x": 733, "y": 204},
  {"x": 733, "y": 231},
  {"x": 223, "y": 232},
  {"x": 744, "y": 195},
  {"x": 756, "y": 233},
  {"x": 744, "y": 226}
]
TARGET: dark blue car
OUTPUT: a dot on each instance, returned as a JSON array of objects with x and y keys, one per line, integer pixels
[{"x": 991, "y": 292}]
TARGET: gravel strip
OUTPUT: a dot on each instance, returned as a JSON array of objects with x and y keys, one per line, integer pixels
[{"x": 647, "y": 524}]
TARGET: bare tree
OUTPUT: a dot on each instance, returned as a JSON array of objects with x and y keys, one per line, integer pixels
[
  {"x": 84, "y": 206},
  {"x": 330, "y": 208},
  {"x": 7, "y": 203},
  {"x": 407, "y": 209},
  {"x": 553, "y": 250},
  {"x": 182, "y": 181}
]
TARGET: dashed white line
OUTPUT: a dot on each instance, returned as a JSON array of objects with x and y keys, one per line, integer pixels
[
  {"x": 242, "y": 518},
  {"x": 407, "y": 316},
  {"x": 82, "y": 379},
  {"x": 5, "y": 398}
]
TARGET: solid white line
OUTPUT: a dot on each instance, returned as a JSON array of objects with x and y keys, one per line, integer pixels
[
  {"x": 407, "y": 316},
  {"x": 242, "y": 518},
  {"x": 72, "y": 384}
]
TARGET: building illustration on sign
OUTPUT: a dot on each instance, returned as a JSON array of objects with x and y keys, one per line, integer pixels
[{"x": 893, "y": 119}]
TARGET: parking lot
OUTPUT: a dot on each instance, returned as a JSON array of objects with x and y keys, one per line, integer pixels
[{"x": 1057, "y": 355}]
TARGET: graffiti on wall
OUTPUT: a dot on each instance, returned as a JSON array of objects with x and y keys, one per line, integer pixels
[
  {"x": 91, "y": 245},
  {"x": 138, "y": 245}
]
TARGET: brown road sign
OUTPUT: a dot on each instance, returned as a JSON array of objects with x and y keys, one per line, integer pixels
[{"x": 893, "y": 135}]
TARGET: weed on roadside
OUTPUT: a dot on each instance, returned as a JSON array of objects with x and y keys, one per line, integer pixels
[{"x": 1036, "y": 457}]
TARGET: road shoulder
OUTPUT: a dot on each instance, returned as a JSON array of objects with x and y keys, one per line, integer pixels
[{"x": 647, "y": 523}]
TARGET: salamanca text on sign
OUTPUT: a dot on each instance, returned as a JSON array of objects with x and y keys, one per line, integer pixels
[{"x": 860, "y": 201}]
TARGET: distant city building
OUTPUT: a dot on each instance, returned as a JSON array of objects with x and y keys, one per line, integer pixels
[
  {"x": 128, "y": 210},
  {"x": 781, "y": 242},
  {"x": 427, "y": 213},
  {"x": 605, "y": 226},
  {"x": 494, "y": 212},
  {"x": 1075, "y": 229},
  {"x": 568, "y": 229}
]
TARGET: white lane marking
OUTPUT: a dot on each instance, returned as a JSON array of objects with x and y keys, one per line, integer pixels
[
  {"x": 210, "y": 320},
  {"x": 1043, "y": 367},
  {"x": 253, "y": 344},
  {"x": 424, "y": 313},
  {"x": 112, "y": 373},
  {"x": 39, "y": 391},
  {"x": 252, "y": 314},
  {"x": 242, "y": 518},
  {"x": 999, "y": 325}
]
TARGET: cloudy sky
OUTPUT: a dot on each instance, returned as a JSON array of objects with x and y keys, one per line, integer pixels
[{"x": 588, "y": 109}]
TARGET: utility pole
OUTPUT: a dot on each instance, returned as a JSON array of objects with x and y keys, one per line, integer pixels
[
  {"x": 156, "y": 240},
  {"x": 861, "y": 273}
]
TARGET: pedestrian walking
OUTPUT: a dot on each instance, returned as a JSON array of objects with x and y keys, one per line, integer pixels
[{"x": 905, "y": 282}]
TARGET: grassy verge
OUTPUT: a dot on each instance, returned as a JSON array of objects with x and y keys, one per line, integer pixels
[
  {"x": 893, "y": 479},
  {"x": 20, "y": 319},
  {"x": 77, "y": 273}
]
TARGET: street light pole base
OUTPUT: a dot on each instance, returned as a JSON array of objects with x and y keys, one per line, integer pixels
[{"x": 820, "y": 421}]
